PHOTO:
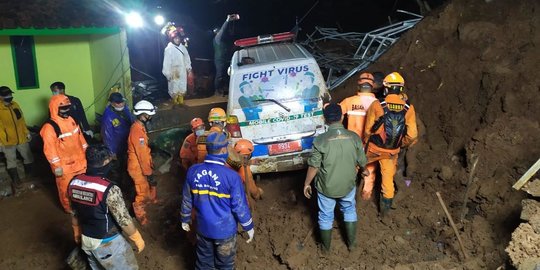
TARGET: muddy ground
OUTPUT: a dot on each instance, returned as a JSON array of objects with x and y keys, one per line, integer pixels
[{"x": 471, "y": 72}]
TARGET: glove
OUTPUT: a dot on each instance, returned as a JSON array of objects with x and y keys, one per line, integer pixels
[
  {"x": 250, "y": 233},
  {"x": 29, "y": 137},
  {"x": 58, "y": 172},
  {"x": 151, "y": 181},
  {"x": 137, "y": 240},
  {"x": 89, "y": 133},
  {"x": 190, "y": 79},
  {"x": 185, "y": 227},
  {"x": 307, "y": 191},
  {"x": 233, "y": 17},
  {"x": 76, "y": 233}
]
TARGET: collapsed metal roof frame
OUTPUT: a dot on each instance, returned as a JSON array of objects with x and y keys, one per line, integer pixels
[{"x": 370, "y": 46}]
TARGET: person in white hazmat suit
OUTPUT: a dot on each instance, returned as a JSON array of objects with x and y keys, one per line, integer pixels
[{"x": 177, "y": 67}]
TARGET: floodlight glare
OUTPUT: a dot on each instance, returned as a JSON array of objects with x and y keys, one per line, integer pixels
[
  {"x": 159, "y": 20},
  {"x": 134, "y": 19}
]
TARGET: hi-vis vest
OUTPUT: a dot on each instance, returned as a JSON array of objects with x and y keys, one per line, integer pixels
[{"x": 88, "y": 195}]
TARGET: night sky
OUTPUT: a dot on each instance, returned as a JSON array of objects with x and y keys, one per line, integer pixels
[{"x": 199, "y": 17}]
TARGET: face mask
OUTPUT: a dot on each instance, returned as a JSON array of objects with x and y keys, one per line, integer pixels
[
  {"x": 119, "y": 109},
  {"x": 199, "y": 132},
  {"x": 54, "y": 93},
  {"x": 64, "y": 113},
  {"x": 8, "y": 99},
  {"x": 102, "y": 171}
]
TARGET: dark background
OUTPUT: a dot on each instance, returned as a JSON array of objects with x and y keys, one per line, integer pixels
[{"x": 199, "y": 17}]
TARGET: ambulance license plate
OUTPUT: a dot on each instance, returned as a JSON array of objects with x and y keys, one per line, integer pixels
[{"x": 286, "y": 147}]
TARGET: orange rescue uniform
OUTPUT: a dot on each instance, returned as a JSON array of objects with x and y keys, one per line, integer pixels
[
  {"x": 189, "y": 152},
  {"x": 356, "y": 108},
  {"x": 140, "y": 164},
  {"x": 386, "y": 158},
  {"x": 66, "y": 150}
]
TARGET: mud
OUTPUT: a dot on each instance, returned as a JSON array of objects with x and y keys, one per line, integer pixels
[{"x": 471, "y": 72}]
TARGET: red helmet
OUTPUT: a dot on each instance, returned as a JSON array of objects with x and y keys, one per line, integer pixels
[{"x": 196, "y": 122}]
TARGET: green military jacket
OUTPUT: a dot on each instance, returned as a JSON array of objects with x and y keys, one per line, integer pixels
[{"x": 337, "y": 153}]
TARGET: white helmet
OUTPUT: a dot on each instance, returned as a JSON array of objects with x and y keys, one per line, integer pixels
[{"x": 144, "y": 106}]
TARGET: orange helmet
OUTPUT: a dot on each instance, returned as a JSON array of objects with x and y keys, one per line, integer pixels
[
  {"x": 217, "y": 114},
  {"x": 366, "y": 78},
  {"x": 196, "y": 122},
  {"x": 243, "y": 147},
  {"x": 393, "y": 79}
]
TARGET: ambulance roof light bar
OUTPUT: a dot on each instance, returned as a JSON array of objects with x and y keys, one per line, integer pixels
[{"x": 264, "y": 39}]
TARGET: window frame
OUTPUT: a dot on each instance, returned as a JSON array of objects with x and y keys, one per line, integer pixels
[{"x": 16, "y": 70}]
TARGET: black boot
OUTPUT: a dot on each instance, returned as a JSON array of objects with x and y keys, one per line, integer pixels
[
  {"x": 384, "y": 206},
  {"x": 326, "y": 239},
  {"x": 15, "y": 180},
  {"x": 28, "y": 169},
  {"x": 350, "y": 230}
]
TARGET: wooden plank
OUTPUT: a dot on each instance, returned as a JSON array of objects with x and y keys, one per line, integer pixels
[{"x": 525, "y": 178}]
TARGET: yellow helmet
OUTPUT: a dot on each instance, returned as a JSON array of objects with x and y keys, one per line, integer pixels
[
  {"x": 217, "y": 114},
  {"x": 394, "y": 79}
]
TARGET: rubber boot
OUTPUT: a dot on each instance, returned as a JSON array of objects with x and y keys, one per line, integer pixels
[
  {"x": 180, "y": 100},
  {"x": 15, "y": 180},
  {"x": 385, "y": 204},
  {"x": 326, "y": 239},
  {"x": 28, "y": 170},
  {"x": 140, "y": 213},
  {"x": 153, "y": 195},
  {"x": 350, "y": 231}
]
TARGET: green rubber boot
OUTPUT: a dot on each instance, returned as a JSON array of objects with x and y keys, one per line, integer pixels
[
  {"x": 326, "y": 238},
  {"x": 385, "y": 205},
  {"x": 350, "y": 230}
]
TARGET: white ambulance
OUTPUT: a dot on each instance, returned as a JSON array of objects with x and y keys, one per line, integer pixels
[{"x": 275, "y": 100}]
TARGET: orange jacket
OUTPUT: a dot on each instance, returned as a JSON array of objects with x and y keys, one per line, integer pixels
[
  {"x": 356, "y": 107},
  {"x": 139, "y": 157},
  {"x": 67, "y": 150},
  {"x": 375, "y": 111},
  {"x": 188, "y": 151}
]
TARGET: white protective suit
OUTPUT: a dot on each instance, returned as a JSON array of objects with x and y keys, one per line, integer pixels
[{"x": 176, "y": 63}]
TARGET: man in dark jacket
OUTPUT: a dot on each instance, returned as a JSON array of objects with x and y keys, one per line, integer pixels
[
  {"x": 77, "y": 109},
  {"x": 218, "y": 197}
]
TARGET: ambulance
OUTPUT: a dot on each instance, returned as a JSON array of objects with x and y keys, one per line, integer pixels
[{"x": 275, "y": 100}]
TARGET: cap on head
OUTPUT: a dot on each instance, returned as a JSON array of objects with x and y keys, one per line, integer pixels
[
  {"x": 216, "y": 141},
  {"x": 116, "y": 98},
  {"x": 5, "y": 91},
  {"x": 144, "y": 106},
  {"x": 332, "y": 112},
  {"x": 96, "y": 155}
]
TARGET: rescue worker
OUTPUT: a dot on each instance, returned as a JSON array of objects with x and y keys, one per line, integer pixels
[
  {"x": 217, "y": 119},
  {"x": 222, "y": 54},
  {"x": 77, "y": 109},
  {"x": 64, "y": 146},
  {"x": 100, "y": 218},
  {"x": 177, "y": 67},
  {"x": 115, "y": 125},
  {"x": 188, "y": 151},
  {"x": 243, "y": 149},
  {"x": 140, "y": 166},
  {"x": 218, "y": 197},
  {"x": 356, "y": 106},
  {"x": 334, "y": 163},
  {"x": 14, "y": 137},
  {"x": 390, "y": 125}
]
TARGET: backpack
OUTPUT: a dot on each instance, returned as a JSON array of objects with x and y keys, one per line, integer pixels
[
  {"x": 56, "y": 127},
  {"x": 393, "y": 122}
]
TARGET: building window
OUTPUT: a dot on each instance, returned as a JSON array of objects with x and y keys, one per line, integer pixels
[{"x": 24, "y": 62}]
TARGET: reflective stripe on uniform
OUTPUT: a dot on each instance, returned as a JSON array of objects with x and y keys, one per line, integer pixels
[
  {"x": 211, "y": 193},
  {"x": 247, "y": 223},
  {"x": 214, "y": 162},
  {"x": 54, "y": 160},
  {"x": 88, "y": 185},
  {"x": 67, "y": 134},
  {"x": 356, "y": 113}
]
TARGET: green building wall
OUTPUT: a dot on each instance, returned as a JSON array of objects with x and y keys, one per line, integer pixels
[{"x": 90, "y": 65}]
